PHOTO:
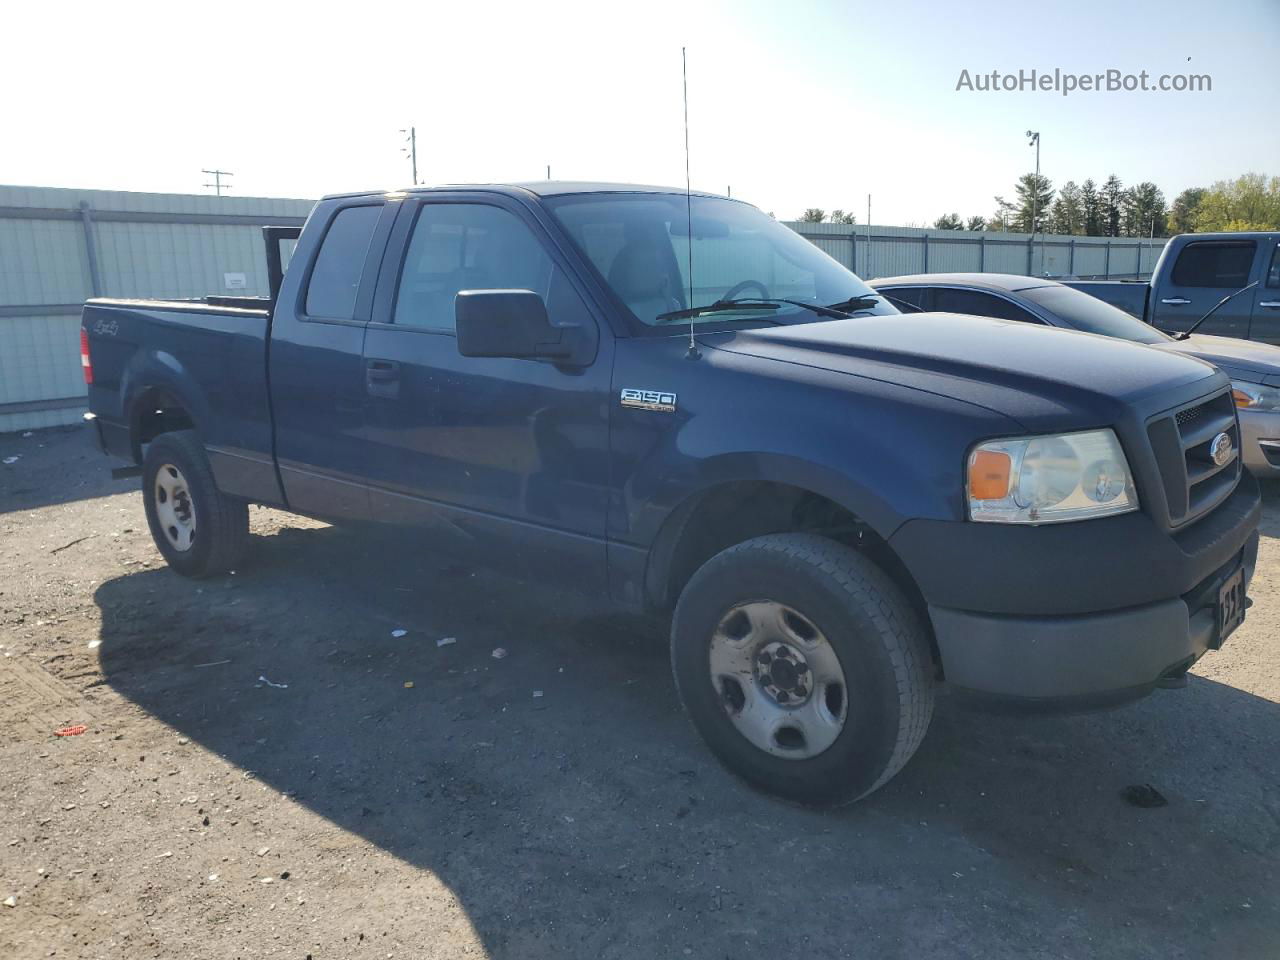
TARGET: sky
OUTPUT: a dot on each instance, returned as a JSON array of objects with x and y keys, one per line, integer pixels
[{"x": 791, "y": 105}]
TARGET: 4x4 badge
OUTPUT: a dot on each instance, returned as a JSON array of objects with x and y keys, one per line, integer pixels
[{"x": 657, "y": 400}]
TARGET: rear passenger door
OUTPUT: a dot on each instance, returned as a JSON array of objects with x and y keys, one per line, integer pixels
[
  {"x": 317, "y": 362},
  {"x": 1204, "y": 272},
  {"x": 508, "y": 458}
]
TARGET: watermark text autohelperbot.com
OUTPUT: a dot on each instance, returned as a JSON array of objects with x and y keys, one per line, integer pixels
[{"x": 1066, "y": 83}]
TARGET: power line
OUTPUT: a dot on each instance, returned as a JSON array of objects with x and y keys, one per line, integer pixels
[{"x": 217, "y": 184}]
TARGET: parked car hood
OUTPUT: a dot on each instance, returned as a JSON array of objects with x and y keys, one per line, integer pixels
[
  {"x": 1040, "y": 376},
  {"x": 1244, "y": 358}
]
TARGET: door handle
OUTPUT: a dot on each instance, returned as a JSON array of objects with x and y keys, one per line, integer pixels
[
  {"x": 382, "y": 379},
  {"x": 382, "y": 371},
  {"x": 1176, "y": 301},
  {"x": 1273, "y": 304}
]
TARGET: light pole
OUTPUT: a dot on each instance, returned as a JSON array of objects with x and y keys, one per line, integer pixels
[{"x": 1033, "y": 140}]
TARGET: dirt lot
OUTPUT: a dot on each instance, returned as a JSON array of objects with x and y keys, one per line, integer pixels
[{"x": 208, "y": 813}]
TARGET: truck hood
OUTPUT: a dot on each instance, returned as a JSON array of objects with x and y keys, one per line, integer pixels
[
  {"x": 1040, "y": 376},
  {"x": 1243, "y": 358}
]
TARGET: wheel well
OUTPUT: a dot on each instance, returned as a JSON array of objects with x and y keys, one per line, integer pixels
[
  {"x": 156, "y": 412},
  {"x": 734, "y": 512}
]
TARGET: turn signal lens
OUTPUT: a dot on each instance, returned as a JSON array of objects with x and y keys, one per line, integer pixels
[{"x": 989, "y": 475}]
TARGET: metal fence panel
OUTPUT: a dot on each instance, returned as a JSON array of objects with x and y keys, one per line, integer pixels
[
  {"x": 42, "y": 261},
  {"x": 59, "y": 247}
]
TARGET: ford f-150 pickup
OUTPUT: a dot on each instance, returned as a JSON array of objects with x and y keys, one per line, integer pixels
[{"x": 673, "y": 401}]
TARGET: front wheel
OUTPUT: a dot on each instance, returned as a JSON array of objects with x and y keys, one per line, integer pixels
[
  {"x": 803, "y": 666},
  {"x": 199, "y": 530}
]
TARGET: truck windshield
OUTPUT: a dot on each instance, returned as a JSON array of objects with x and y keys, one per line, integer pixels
[
  {"x": 640, "y": 244},
  {"x": 1083, "y": 312}
]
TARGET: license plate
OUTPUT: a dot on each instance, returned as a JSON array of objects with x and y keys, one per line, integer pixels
[{"x": 1231, "y": 604}]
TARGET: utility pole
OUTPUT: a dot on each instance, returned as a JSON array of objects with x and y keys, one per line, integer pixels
[
  {"x": 548, "y": 171},
  {"x": 1034, "y": 140},
  {"x": 868, "y": 272},
  {"x": 412, "y": 150},
  {"x": 218, "y": 185}
]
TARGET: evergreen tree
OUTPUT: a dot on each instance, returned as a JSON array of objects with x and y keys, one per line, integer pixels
[
  {"x": 1067, "y": 216},
  {"x": 839, "y": 216},
  {"x": 949, "y": 221},
  {"x": 1112, "y": 196},
  {"x": 1031, "y": 195},
  {"x": 976, "y": 224},
  {"x": 1091, "y": 208},
  {"x": 1147, "y": 212},
  {"x": 813, "y": 215}
]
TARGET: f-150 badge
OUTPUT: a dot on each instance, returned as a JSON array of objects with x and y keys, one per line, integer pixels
[{"x": 658, "y": 401}]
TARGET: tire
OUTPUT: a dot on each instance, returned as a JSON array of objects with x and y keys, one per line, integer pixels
[
  {"x": 761, "y": 621},
  {"x": 197, "y": 529}
]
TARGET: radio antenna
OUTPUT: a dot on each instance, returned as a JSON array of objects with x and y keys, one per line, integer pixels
[{"x": 688, "y": 198}]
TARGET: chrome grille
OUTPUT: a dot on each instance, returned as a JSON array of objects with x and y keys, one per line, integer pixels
[{"x": 1194, "y": 484}]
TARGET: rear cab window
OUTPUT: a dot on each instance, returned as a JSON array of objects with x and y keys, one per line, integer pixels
[
  {"x": 1214, "y": 263},
  {"x": 335, "y": 275}
]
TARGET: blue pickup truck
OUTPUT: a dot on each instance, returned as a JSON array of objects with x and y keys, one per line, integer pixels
[
  {"x": 1197, "y": 270},
  {"x": 673, "y": 401}
]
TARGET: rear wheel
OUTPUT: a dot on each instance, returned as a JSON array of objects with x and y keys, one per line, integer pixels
[
  {"x": 803, "y": 666},
  {"x": 199, "y": 530}
]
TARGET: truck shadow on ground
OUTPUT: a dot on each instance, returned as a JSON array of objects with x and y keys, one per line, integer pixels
[
  {"x": 53, "y": 465},
  {"x": 589, "y": 821}
]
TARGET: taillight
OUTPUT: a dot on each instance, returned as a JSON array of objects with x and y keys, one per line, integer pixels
[{"x": 86, "y": 365}]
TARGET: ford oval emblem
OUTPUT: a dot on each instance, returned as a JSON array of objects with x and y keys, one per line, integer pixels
[{"x": 1221, "y": 450}]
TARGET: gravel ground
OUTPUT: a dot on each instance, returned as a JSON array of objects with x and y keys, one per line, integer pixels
[{"x": 391, "y": 796}]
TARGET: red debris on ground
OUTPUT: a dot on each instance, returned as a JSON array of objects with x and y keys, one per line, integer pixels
[{"x": 72, "y": 731}]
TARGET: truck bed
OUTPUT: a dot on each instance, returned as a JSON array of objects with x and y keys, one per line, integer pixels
[
  {"x": 1129, "y": 295},
  {"x": 209, "y": 355}
]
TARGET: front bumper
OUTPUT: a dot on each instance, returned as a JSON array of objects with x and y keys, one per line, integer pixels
[
  {"x": 1077, "y": 614},
  {"x": 1260, "y": 442},
  {"x": 1084, "y": 660}
]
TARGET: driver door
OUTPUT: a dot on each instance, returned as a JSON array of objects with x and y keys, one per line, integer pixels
[{"x": 508, "y": 458}]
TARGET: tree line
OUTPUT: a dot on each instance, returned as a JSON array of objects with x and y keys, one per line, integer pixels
[{"x": 1110, "y": 209}]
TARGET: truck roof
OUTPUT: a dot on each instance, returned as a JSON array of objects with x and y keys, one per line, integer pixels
[{"x": 540, "y": 188}]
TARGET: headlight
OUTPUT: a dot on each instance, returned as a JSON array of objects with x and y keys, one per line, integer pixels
[
  {"x": 1067, "y": 476},
  {"x": 1254, "y": 396}
]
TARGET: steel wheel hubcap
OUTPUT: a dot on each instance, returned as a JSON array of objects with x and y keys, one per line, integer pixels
[
  {"x": 174, "y": 509},
  {"x": 778, "y": 679}
]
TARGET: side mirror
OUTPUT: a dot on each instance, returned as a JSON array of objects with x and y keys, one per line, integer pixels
[{"x": 510, "y": 323}]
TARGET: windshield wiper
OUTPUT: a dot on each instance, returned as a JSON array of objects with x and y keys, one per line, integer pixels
[
  {"x": 837, "y": 311},
  {"x": 720, "y": 306},
  {"x": 852, "y": 304}
]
